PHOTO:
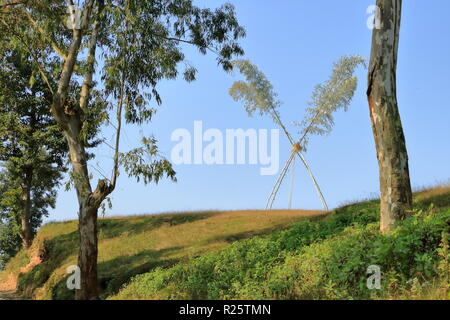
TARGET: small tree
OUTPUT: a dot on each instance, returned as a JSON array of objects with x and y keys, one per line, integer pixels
[{"x": 32, "y": 150}]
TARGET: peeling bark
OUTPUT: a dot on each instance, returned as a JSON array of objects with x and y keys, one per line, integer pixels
[{"x": 395, "y": 186}]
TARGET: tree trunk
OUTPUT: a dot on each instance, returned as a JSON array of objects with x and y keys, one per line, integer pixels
[
  {"x": 87, "y": 215},
  {"x": 89, "y": 203},
  {"x": 87, "y": 226},
  {"x": 395, "y": 186},
  {"x": 25, "y": 223},
  {"x": 70, "y": 120},
  {"x": 87, "y": 257}
]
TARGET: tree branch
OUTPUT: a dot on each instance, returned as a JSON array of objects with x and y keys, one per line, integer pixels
[
  {"x": 54, "y": 46},
  {"x": 119, "y": 112},
  {"x": 188, "y": 42},
  {"x": 68, "y": 68},
  {"x": 119, "y": 127},
  {"x": 41, "y": 69},
  {"x": 87, "y": 82}
]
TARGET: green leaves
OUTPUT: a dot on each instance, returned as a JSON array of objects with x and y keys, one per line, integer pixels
[
  {"x": 143, "y": 43},
  {"x": 32, "y": 148},
  {"x": 334, "y": 94},
  {"x": 189, "y": 74},
  {"x": 257, "y": 92},
  {"x": 258, "y": 95},
  {"x": 32, "y": 80},
  {"x": 145, "y": 163}
]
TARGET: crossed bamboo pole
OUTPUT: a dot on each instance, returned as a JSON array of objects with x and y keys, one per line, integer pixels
[{"x": 296, "y": 151}]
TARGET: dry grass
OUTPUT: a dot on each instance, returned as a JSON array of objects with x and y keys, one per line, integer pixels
[
  {"x": 8, "y": 283},
  {"x": 432, "y": 193}
]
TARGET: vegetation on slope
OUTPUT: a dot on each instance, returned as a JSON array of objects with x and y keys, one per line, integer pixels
[
  {"x": 133, "y": 245},
  {"x": 327, "y": 259},
  {"x": 250, "y": 255}
]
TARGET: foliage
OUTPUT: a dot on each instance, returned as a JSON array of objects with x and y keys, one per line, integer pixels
[
  {"x": 143, "y": 43},
  {"x": 312, "y": 260},
  {"x": 444, "y": 264},
  {"x": 138, "y": 43},
  {"x": 406, "y": 256},
  {"x": 336, "y": 93},
  {"x": 10, "y": 242},
  {"x": 134, "y": 245},
  {"x": 258, "y": 94},
  {"x": 145, "y": 162},
  {"x": 245, "y": 256},
  {"x": 32, "y": 150}
]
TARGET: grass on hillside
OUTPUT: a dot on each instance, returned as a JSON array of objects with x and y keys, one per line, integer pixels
[
  {"x": 133, "y": 245},
  {"x": 250, "y": 255},
  {"x": 325, "y": 259}
]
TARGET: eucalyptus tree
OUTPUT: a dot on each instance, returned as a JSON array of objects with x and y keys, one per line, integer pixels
[
  {"x": 395, "y": 185},
  {"x": 336, "y": 93},
  {"x": 128, "y": 47}
]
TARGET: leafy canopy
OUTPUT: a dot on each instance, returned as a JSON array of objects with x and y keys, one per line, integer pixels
[
  {"x": 138, "y": 43},
  {"x": 32, "y": 149}
]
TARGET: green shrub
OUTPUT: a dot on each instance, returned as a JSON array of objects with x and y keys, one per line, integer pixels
[
  {"x": 336, "y": 267},
  {"x": 238, "y": 270},
  {"x": 327, "y": 259}
]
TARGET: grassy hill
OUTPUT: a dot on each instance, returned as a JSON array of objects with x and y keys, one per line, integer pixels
[
  {"x": 250, "y": 255},
  {"x": 133, "y": 245}
]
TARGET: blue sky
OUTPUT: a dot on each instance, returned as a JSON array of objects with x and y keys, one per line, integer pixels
[{"x": 295, "y": 42}]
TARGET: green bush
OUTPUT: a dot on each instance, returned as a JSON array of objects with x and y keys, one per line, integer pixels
[
  {"x": 229, "y": 273},
  {"x": 325, "y": 259},
  {"x": 336, "y": 267}
]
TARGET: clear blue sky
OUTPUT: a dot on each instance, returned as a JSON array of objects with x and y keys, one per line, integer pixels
[{"x": 295, "y": 43}]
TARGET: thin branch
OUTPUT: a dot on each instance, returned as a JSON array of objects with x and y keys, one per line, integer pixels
[
  {"x": 188, "y": 42},
  {"x": 119, "y": 110},
  {"x": 309, "y": 127},
  {"x": 88, "y": 78},
  {"x": 99, "y": 171},
  {"x": 54, "y": 46},
  {"x": 108, "y": 145},
  {"x": 41, "y": 69},
  {"x": 10, "y": 4},
  {"x": 277, "y": 118}
]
